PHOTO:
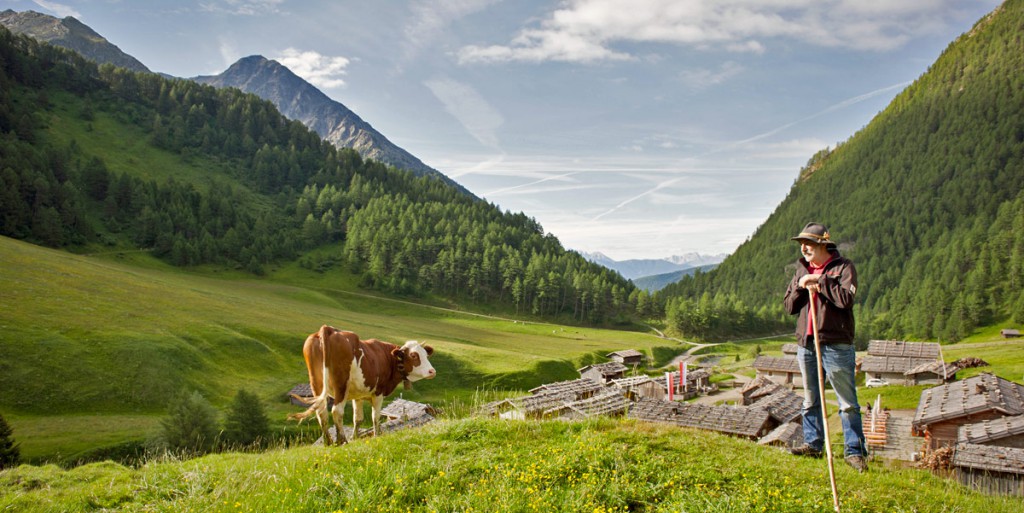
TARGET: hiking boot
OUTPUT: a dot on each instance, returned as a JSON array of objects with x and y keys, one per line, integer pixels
[
  {"x": 858, "y": 463},
  {"x": 805, "y": 450}
]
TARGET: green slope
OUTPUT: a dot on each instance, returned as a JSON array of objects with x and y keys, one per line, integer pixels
[
  {"x": 120, "y": 333},
  {"x": 927, "y": 200},
  {"x": 482, "y": 465}
]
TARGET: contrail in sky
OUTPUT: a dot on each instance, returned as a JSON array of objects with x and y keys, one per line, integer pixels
[
  {"x": 661, "y": 185},
  {"x": 833, "y": 108},
  {"x": 542, "y": 180}
]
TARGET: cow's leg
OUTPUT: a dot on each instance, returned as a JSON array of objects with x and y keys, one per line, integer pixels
[
  {"x": 338, "y": 413},
  {"x": 357, "y": 417},
  {"x": 377, "y": 403},
  {"x": 325, "y": 423}
]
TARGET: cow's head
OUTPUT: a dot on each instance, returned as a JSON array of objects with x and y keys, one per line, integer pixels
[{"x": 413, "y": 362}]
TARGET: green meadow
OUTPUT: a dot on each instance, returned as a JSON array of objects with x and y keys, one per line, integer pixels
[
  {"x": 93, "y": 347},
  {"x": 478, "y": 465}
]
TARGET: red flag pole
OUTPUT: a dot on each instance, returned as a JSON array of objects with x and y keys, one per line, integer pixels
[{"x": 668, "y": 381}]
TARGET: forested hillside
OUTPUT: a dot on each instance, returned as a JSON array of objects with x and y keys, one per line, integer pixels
[
  {"x": 97, "y": 155},
  {"x": 928, "y": 201}
]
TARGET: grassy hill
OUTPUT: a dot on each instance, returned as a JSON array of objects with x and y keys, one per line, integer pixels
[
  {"x": 108, "y": 339},
  {"x": 485, "y": 465}
]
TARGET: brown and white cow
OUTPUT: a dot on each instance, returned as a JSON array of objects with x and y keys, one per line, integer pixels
[{"x": 343, "y": 368}]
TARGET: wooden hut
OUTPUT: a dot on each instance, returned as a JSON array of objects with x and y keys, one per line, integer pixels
[
  {"x": 891, "y": 359},
  {"x": 943, "y": 409},
  {"x": 629, "y": 357},
  {"x": 760, "y": 387},
  {"x": 990, "y": 469},
  {"x": 579, "y": 388},
  {"x": 790, "y": 434},
  {"x": 604, "y": 372},
  {"x": 1009, "y": 333},
  {"x": 1004, "y": 432},
  {"x": 784, "y": 370},
  {"x": 790, "y": 349},
  {"x": 742, "y": 421},
  {"x": 641, "y": 387},
  {"x": 405, "y": 409},
  {"x": 611, "y": 402},
  {"x": 299, "y": 393},
  {"x": 784, "y": 406},
  {"x": 932, "y": 373}
]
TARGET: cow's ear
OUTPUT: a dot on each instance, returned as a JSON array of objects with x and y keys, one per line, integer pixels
[
  {"x": 429, "y": 350},
  {"x": 398, "y": 353}
]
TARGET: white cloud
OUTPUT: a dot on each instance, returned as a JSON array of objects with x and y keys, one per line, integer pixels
[
  {"x": 242, "y": 7},
  {"x": 322, "y": 71},
  {"x": 60, "y": 10},
  {"x": 704, "y": 78},
  {"x": 466, "y": 105},
  {"x": 587, "y": 30},
  {"x": 430, "y": 18}
]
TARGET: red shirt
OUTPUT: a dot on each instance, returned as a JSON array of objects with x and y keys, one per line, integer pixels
[{"x": 814, "y": 269}]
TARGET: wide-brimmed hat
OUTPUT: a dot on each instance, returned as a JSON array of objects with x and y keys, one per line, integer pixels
[{"x": 815, "y": 233}]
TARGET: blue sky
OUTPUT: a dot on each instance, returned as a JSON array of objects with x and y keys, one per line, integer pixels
[{"x": 637, "y": 128}]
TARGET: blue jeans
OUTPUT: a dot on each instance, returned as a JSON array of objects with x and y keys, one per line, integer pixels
[{"x": 840, "y": 362}]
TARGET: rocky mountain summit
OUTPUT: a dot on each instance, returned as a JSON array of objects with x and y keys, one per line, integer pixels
[
  {"x": 301, "y": 101},
  {"x": 71, "y": 34}
]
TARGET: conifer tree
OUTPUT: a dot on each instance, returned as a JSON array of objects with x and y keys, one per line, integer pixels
[
  {"x": 191, "y": 425},
  {"x": 10, "y": 455},
  {"x": 246, "y": 423}
]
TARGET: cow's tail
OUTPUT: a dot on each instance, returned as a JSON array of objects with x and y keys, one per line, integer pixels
[{"x": 319, "y": 402}]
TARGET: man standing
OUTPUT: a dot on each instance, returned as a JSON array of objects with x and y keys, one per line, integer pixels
[{"x": 831, "y": 280}]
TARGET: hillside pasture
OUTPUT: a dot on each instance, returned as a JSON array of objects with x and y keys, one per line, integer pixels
[{"x": 105, "y": 335}]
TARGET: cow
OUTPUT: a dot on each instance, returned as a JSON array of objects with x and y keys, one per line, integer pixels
[{"x": 343, "y": 368}]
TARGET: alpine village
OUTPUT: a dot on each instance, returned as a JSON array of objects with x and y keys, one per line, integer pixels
[{"x": 168, "y": 244}]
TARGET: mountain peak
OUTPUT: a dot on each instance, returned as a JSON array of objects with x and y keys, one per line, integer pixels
[{"x": 71, "y": 34}]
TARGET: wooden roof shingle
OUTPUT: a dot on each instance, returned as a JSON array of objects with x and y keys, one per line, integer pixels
[
  {"x": 784, "y": 405},
  {"x": 579, "y": 388},
  {"x": 892, "y": 364},
  {"x": 611, "y": 402},
  {"x": 626, "y": 353},
  {"x": 899, "y": 348},
  {"x": 776, "y": 363},
  {"x": 789, "y": 434},
  {"x": 977, "y": 394},
  {"x": 400, "y": 408},
  {"x": 991, "y": 430},
  {"x": 606, "y": 369},
  {"x": 990, "y": 458},
  {"x": 734, "y": 420},
  {"x": 654, "y": 410}
]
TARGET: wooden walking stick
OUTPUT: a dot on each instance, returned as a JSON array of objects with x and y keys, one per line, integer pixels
[{"x": 821, "y": 399}]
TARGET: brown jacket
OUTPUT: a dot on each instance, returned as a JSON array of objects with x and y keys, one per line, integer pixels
[{"x": 834, "y": 303}]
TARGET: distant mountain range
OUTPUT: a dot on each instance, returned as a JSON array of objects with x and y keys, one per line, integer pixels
[
  {"x": 640, "y": 268},
  {"x": 268, "y": 79},
  {"x": 660, "y": 281}
]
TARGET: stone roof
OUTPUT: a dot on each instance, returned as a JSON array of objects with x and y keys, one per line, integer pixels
[
  {"x": 579, "y": 388},
  {"x": 654, "y": 410},
  {"x": 790, "y": 348},
  {"x": 301, "y": 390},
  {"x": 606, "y": 369},
  {"x": 899, "y": 348},
  {"x": 938, "y": 367},
  {"x": 760, "y": 387},
  {"x": 989, "y": 458},
  {"x": 734, "y": 420},
  {"x": 784, "y": 405},
  {"x": 977, "y": 394},
  {"x": 611, "y": 402},
  {"x": 400, "y": 408},
  {"x": 632, "y": 381},
  {"x": 991, "y": 430},
  {"x": 892, "y": 364},
  {"x": 790, "y": 434},
  {"x": 775, "y": 363},
  {"x": 626, "y": 353}
]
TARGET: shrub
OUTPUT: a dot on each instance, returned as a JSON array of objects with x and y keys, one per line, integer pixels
[{"x": 191, "y": 425}]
